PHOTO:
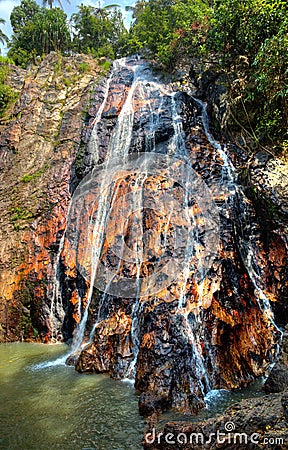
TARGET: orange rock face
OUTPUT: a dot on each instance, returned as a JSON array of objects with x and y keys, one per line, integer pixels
[{"x": 37, "y": 156}]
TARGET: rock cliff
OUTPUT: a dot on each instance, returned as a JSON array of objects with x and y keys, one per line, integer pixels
[{"x": 40, "y": 138}]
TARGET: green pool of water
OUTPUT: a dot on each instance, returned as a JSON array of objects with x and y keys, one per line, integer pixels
[{"x": 46, "y": 404}]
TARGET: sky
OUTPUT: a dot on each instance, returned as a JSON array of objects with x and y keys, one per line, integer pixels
[{"x": 6, "y": 7}]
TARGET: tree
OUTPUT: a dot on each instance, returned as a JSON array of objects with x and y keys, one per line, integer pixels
[
  {"x": 238, "y": 27},
  {"x": 167, "y": 29},
  {"x": 50, "y": 3},
  {"x": 23, "y": 14},
  {"x": 99, "y": 31},
  {"x": 37, "y": 31},
  {"x": 50, "y": 31},
  {"x": 3, "y": 37}
]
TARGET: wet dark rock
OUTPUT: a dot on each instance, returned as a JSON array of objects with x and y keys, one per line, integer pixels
[
  {"x": 181, "y": 356},
  {"x": 278, "y": 377},
  {"x": 250, "y": 424},
  {"x": 150, "y": 404},
  {"x": 284, "y": 402},
  {"x": 211, "y": 87},
  {"x": 111, "y": 113},
  {"x": 208, "y": 77},
  {"x": 261, "y": 159}
]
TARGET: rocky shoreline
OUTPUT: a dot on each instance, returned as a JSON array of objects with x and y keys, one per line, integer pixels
[
  {"x": 250, "y": 424},
  {"x": 253, "y": 423}
]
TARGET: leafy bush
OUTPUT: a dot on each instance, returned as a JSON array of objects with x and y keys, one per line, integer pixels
[
  {"x": 21, "y": 57},
  {"x": 168, "y": 30},
  {"x": 255, "y": 31},
  {"x": 238, "y": 27},
  {"x": 83, "y": 67},
  {"x": 271, "y": 82},
  {"x": 27, "y": 177},
  {"x": 7, "y": 94}
]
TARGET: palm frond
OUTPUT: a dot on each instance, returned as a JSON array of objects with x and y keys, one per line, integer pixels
[
  {"x": 51, "y": 2},
  {"x": 3, "y": 37}
]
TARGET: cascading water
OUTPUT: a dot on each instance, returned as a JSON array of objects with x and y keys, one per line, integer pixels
[
  {"x": 247, "y": 242},
  {"x": 152, "y": 231},
  {"x": 57, "y": 312},
  {"x": 145, "y": 89},
  {"x": 118, "y": 147}
]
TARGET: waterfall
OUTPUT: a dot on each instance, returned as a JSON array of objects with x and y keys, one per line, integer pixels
[
  {"x": 144, "y": 86},
  {"x": 248, "y": 243},
  {"x": 151, "y": 229},
  {"x": 228, "y": 172},
  {"x": 93, "y": 144},
  {"x": 147, "y": 89},
  {"x": 57, "y": 312}
]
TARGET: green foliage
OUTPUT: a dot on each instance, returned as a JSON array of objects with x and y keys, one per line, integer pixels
[
  {"x": 167, "y": 30},
  {"x": 83, "y": 67},
  {"x": 20, "y": 213},
  {"x": 271, "y": 83},
  {"x": 22, "y": 57},
  {"x": 7, "y": 94},
  {"x": 238, "y": 27},
  {"x": 37, "y": 31},
  {"x": 99, "y": 31},
  {"x": 4, "y": 69},
  {"x": 105, "y": 65},
  {"x": 57, "y": 67},
  {"x": 22, "y": 15},
  {"x": 3, "y": 37},
  {"x": 27, "y": 177},
  {"x": 254, "y": 32},
  {"x": 67, "y": 81},
  {"x": 5, "y": 60}
]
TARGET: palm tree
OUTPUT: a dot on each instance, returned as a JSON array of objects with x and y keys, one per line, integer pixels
[
  {"x": 50, "y": 3},
  {"x": 98, "y": 10},
  {"x": 102, "y": 11},
  {"x": 3, "y": 37}
]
